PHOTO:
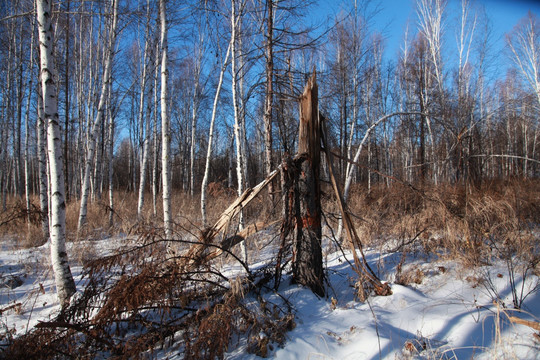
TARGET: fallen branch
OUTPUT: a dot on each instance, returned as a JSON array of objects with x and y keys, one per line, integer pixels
[
  {"x": 362, "y": 267},
  {"x": 532, "y": 324},
  {"x": 196, "y": 253}
]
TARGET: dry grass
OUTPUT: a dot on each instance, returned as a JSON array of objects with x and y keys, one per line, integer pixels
[
  {"x": 461, "y": 223},
  {"x": 14, "y": 224},
  {"x": 465, "y": 224}
]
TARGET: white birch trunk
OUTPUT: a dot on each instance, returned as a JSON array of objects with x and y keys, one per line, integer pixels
[
  {"x": 144, "y": 133},
  {"x": 42, "y": 169},
  {"x": 156, "y": 138},
  {"x": 110, "y": 140},
  {"x": 192, "y": 146},
  {"x": 165, "y": 134},
  {"x": 99, "y": 118},
  {"x": 65, "y": 286},
  {"x": 269, "y": 92},
  {"x": 238, "y": 124},
  {"x": 204, "y": 184}
]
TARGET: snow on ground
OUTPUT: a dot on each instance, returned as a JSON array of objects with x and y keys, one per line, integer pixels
[
  {"x": 450, "y": 314},
  {"x": 444, "y": 317},
  {"x": 27, "y": 290}
]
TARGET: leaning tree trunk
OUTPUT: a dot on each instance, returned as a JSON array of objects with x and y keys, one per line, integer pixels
[
  {"x": 307, "y": 265},
  {"x": 65, "y": 286},
  {"x": 211, "y": 137}
]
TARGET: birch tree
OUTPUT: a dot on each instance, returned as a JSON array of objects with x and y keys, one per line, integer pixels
[
  {"x": 165, "y": 135},
  {"x": 206, "y": 176},
  {"x": 144, "y": 124},
  {"x": 195, "y": 104},
  {"x": 91, "y": 144},
  {"x": 239, "y": 123},
  {"x": 155, "y": 152},
  {"x": 430, "y": 15},
  {"x": 524, "y": 44},
  {"x": 42, "y": 167},
  {"x": 65, "y": 285},
  {"x": 269, "y": 92}
]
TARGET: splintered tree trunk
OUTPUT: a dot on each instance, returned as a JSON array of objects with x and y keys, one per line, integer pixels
[
  {"x": 65, "y": 286},
  {"x": 307, "y": 266}
]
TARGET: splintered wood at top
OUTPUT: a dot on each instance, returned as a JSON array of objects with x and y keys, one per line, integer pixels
[
  {"x": 307, "y": 263},
  {"x": 309, "y": 138}
]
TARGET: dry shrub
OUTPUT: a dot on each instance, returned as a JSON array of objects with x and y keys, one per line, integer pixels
[
  {"x": 463, "y": 223},
  {"x": 22, "y": 224},
  {"x": 410, "y": 275},
  {"x": 213, "y": 334},
  {"x": 141, "y": 299}
]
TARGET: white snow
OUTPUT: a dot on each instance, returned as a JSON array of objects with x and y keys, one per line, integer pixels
[{"x": 449, "y": 315}]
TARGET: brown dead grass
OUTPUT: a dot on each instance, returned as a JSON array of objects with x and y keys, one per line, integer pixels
[{"x": 461, "y": 223}]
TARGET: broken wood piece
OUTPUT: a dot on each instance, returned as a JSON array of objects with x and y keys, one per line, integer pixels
[
  {"x": 362, "y": 268},
  {"x": 532, "y": 324},
  {"x": 196, "y": 253}
]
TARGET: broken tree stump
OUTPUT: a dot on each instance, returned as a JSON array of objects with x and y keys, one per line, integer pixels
[{"x": 307, "y": 262}]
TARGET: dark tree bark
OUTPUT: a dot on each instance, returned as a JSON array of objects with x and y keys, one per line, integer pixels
[{"x": 307, "y": 265}]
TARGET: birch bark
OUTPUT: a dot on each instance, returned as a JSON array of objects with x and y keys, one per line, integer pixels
[
  {"x": 269, "y": 92},
  {"x": 239, "y": 126},
  {"x": 165, "y": 135},
  {"x": 155, "y": 179},
  {"x": 65, "y": 286},
  {"x": 110, "y": 145},
  {"x": 98, "y": 120},
  {"x": 204, "y": 184},
  {"x": 42, "y": 168},
  {"x": 144, "y": 133}
]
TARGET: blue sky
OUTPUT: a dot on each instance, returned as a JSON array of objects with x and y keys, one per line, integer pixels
[{"x": 395, "y": 14}]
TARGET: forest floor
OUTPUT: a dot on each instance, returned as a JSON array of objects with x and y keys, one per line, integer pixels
[
  {"x": 463, "y": 265},
  {"x": 441, "y": 309}
]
